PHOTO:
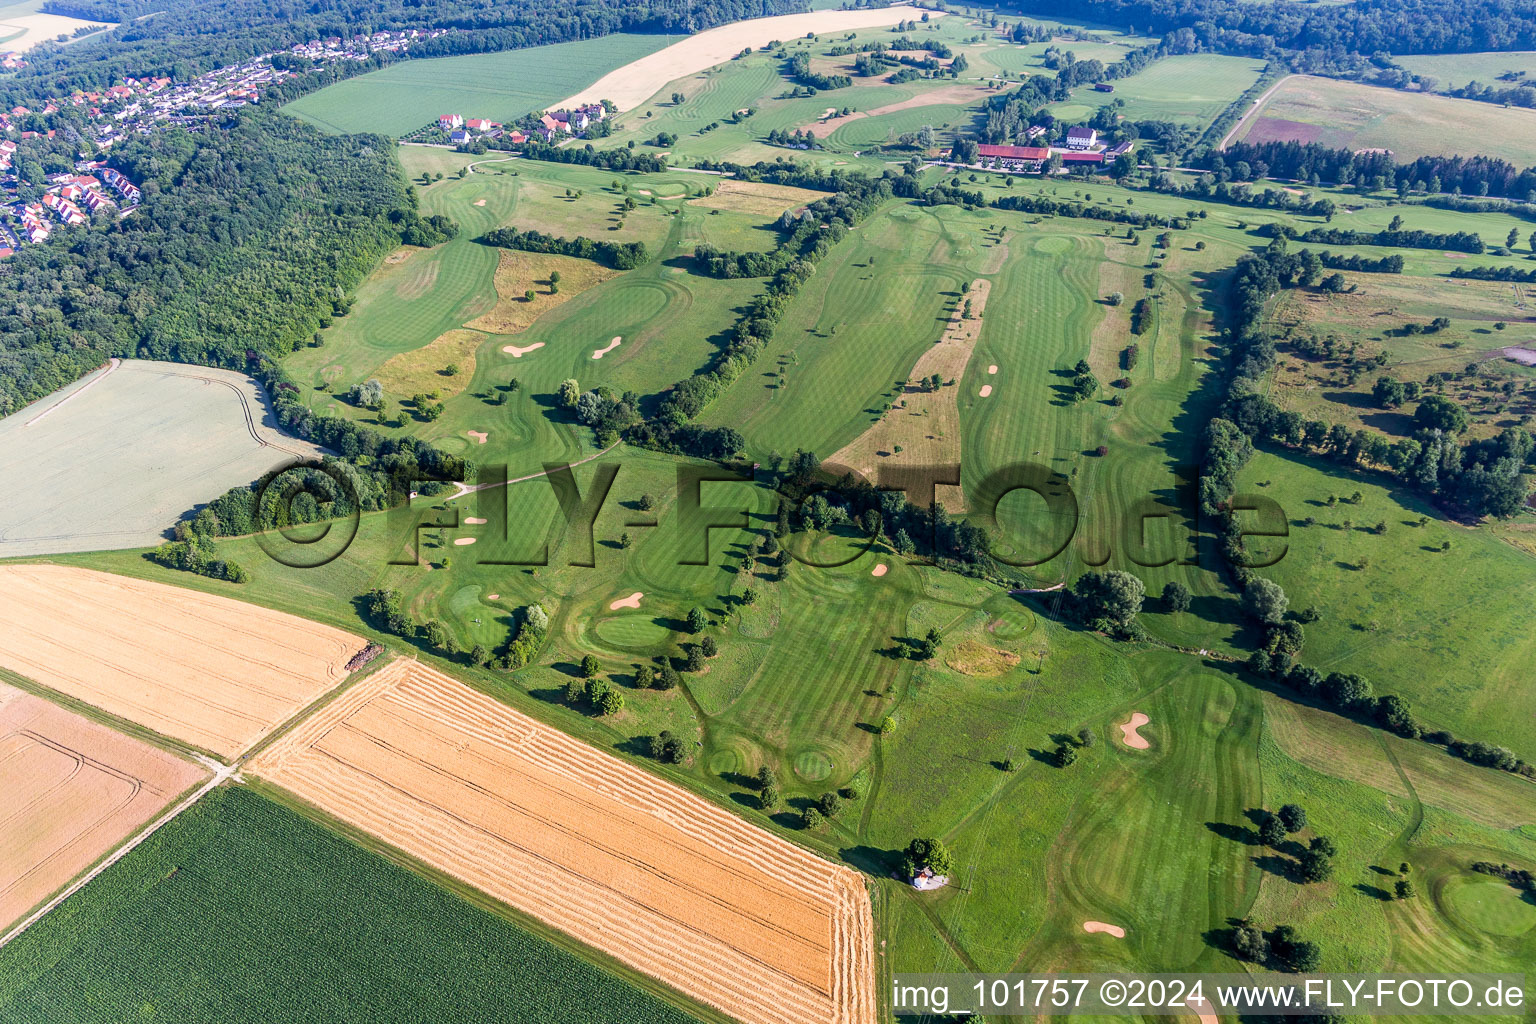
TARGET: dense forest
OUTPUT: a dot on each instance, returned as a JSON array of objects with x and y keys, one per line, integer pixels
[
  {"x": 1361, "y": 27},
  {"x": 247, "y": 242},
  {"x": 185, "y": 39}
]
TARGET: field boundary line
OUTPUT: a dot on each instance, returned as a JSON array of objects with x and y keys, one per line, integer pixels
[
  {"x": 112, "y": 364},
  {"x": 222, "y": 773},
  {"x": 1248, "y": 114}
]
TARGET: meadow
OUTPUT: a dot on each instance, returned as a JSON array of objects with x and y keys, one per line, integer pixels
[
  {"x": 502, "y": 86},
  {"x": 232, "y": 901},
  {"x": 1452, "y": 71},
  {"x": 1190, "y": 89},
  {"x": 1348, "y": 115}
]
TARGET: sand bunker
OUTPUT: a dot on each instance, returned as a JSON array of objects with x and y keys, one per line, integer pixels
[
  {"x": 492, "y": 597},
  {"x": 73, "y": 790},
  {"x": 478, "y": 435},
  {"x": 666, "y": 882},
  {"x": 986, "y": 390},
  {"x": 1096, "y": 927},
  {"x": 1203, "y": 1009},
  {"x": 1130, "y": 736},
  {"x": 634, "y": 83},
  {"x": 880, "y": 570},
  {"x": 992, "y": 368},
  {"x": 474, "y": 521},
  {"x": 632, "y": 601},
  {"x": 210, "y": 671},
  {"x": 598, "y": 353},
  {"x": 463, "y": 541},
  {"x": 479, "y": 202},
  {"x": 518, "y": 351}
]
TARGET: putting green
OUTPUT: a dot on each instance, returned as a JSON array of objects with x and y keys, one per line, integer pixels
[
  {"x": 812, "y": 765},
  {"x": 1489, "y": 905},
  {"x": 632, "y": 631}
]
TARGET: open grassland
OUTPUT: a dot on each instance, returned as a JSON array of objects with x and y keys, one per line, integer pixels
[
  {"x": 113, "y": 459},
  {"x": 1445, "y": 629},
  {"x": 501, "y": 86},
  {"x": 1454, "y": 70},
  {"x": 244, "y": 912},
  {"x": 1190, "y": 89},
  {"x": 665, "y": 317},
  {"x": 1348, "y": 115},
  {"x": 74, "y": 789},
  {"x": 1371, "y": 321},
  {"x": 663, "y": 881},
  {"x": 209, "y": 671}
]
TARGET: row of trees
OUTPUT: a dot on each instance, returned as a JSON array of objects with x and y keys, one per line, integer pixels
[
  {"x": 1316, "y": 163},
  {"x": 619, "y": 255}
]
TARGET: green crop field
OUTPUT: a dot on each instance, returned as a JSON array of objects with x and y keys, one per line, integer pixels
[
  {"x": 1353, "y": 116},
  {"x": 218, "y": 915},
  {"x": 1190, "y": 89},
  {"x": 501, "y": 86}
]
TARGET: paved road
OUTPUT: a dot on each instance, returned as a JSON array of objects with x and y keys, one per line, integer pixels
[{"x": 1248, "y": 114}]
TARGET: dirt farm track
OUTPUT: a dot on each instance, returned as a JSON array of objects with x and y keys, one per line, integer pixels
[
  {"x": 72, "y": 789},
  {"x": 621, "y": 860},
  {"x": 210, "y": 671}
]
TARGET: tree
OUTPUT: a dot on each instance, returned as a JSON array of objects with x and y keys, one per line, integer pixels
[
  {"x": 1113, "y": 595},
  {"x": 829, "y": 804},
  {"x": 608, "y": 701},
  {"x": 709, "y": 647},
  {"x": 1249, "y": 943},
  {"x": 1323, "y": 845},
  {"x": 569, "y": 393},
  {"x": 645, "y": 676},
  {"x": 1314, "y": 866},
  {"x": 811, "y": 818},
  {"x": 1176, "y": 597},
  {"x": 887, "y": 725},
  {"x": 666, "y": 676},
  {"x": 478, "y": 655},
  {"x": 646, "y": 503},
  {"x": 697, "y": 619},
  {"x": 749, "y": 596},
  {"x": 1436, "y": 412},
  {"x": 1293, "y": 817},
  {"x": 1271, "y": 832},
  {"x": 575, "y": 693},
  {"x": 694, "y": 661},
  {"x": 590, "y": 667},
  {"x": 1085, "y": 737},
  {"x": 1264, "y": 600},
  {"x": 667, "y": 748},
  {"x": 931, "y": 854},
  {"x": 1404, "y": 889},
  {"x": 1066, "y": 755}
]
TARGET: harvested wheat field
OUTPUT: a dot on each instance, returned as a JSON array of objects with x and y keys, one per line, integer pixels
[
  {"x": 924, "y": 426},
  {"x": 73, "y": 790},
  {"x": 635, "y": 82},
  {"x": 757, "y": 197},
  {"x": 660, "y": 879},
  {"x": 212, "y": 672}
]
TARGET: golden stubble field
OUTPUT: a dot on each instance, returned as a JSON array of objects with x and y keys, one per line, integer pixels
[
  {"x": 209, "y": 671},
  {"x": 643, "y": 870},
  {"x": 70, "y": 790}
]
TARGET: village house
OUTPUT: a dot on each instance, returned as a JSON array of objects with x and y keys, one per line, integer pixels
[{"x": 448, "y": 122}]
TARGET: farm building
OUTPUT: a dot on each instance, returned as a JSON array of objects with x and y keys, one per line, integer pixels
[
  {"x": 1103, "y": 87},
  {"x": 1080, "y": 137},
  {"x": 1079, "y": 157},
  {"x": 1014, "y": 156}
]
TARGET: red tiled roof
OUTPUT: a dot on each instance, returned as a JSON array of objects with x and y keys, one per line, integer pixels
[
  {"x": 1014, "y": 152},
  {"x": 1082, "y": 158}
]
